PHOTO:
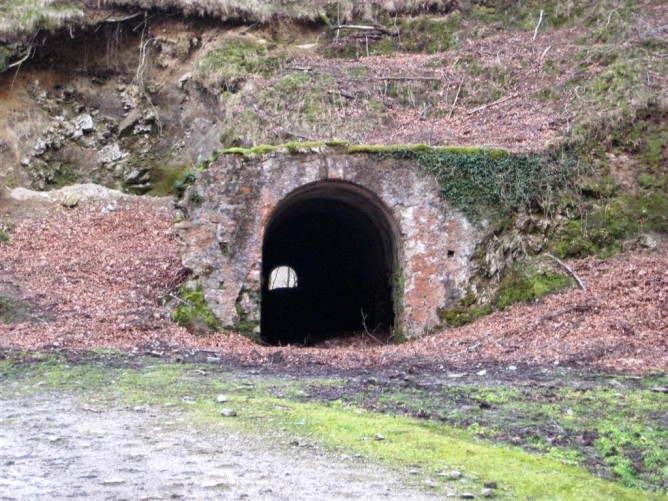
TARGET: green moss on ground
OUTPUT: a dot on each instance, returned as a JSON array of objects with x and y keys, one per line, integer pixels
[{"x": 426, "y": 446}]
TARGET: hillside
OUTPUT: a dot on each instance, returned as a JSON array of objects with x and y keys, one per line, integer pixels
[{"x": 136, "y": 95}]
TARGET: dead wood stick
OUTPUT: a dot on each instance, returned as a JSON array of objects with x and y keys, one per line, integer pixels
[
  {"x": 395, "y": 78},
  {"x": 540, "y": 20},
  {"x": 569, "y": 270},
  {"x": 341, "y": 93},
  {"x": 122, "y": 19},
  {"x": 295, "y": 134},
  {"x": 454, "y": 103},
  {"x": 361, "y": 27},
  {"x": 494, "y": 103}
]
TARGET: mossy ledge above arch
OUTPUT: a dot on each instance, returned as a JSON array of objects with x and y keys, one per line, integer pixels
[
  {"x": 345, "y": 147},
  {"x": 481, "y": 181}
]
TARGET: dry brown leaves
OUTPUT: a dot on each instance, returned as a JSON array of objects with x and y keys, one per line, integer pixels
[{"x": 97, "y": 277}]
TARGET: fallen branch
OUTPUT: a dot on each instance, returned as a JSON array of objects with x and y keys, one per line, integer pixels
[
  {"x": 366, "y": 79},
  {"x": 361, "y": 27},
  {"x": 494, "y": 103},
  {"x": 454, "y": 103},
  {"x": 341, "y": 93},
  {"x": 569, "y": 270},
  {"x": 540, "y": 20},
  {"x": 122, "y": 19}
]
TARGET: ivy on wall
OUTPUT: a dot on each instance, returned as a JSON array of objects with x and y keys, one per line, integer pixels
[{"x": 483, "y": 180}]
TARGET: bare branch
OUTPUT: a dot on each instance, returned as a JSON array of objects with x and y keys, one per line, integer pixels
[
  {"x": 540, "y": 20},
  {"x": 494, "y": 103},
  {"x": 569, "y": 270}
]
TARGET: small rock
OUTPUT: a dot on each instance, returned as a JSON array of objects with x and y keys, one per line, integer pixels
[
  {"x": 481, "y": 373},
  {"x": 378, "y": 436},
  {"x": 451, "y": 475},
  {"x": 490, "y": 485},
  {"x": 84, "y": 123},
  {"x": 466, "y": 495},
  {"x": 215, "y": 484},
  {"x": 456, "y": 375},
  {"x": 512, "y": 367},
  {"x": 647, "y": 241},
  {"x": 113, "y": 481},
  {"x": 228, "y": 412},
  {"x": 487, "y": 493},
  {"x": 71, "y": 200},
  {"x": 221, "y": 399},
  {"x": 660, "y": 389}
]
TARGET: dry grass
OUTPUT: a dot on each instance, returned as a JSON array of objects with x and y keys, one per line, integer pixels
[
  {"x": 307, "y": 10},
  {"x": 26, "y": 16}
]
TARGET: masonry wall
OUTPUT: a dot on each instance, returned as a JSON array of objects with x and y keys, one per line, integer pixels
[{"x": 232, "y": 201}]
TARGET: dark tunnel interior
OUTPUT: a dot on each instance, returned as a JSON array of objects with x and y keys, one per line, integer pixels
[{"x": 339, "y": 240}]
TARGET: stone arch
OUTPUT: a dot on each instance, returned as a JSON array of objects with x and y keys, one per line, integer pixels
[{"x": 342, "y": 241}]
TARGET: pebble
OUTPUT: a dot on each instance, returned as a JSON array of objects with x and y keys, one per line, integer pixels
[
  {"x": 378, "y": 436},
  {"x": 228, "y": 412},
  {"x": 490, "y": 485},
  {"x": 481, "y": 373},
  {"x": 487, "y": 493},
  {"x": 221, "y": 399},
  {"x": 466, "y": 495},
  {"x": 113, "y": 481},
  {"x": 451, "y": 475}
]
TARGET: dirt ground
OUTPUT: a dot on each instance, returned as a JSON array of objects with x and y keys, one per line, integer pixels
[{"x": 56, "y": 447}]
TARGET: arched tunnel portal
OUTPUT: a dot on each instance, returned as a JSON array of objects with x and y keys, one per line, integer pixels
[{"x": 334, "y": 244}]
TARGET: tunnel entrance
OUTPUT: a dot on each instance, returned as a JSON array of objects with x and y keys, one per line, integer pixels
[{"x": 328, "y": 261}]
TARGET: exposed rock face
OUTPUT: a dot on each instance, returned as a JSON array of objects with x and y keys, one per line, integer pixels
[{"x": 232, "y": 203}]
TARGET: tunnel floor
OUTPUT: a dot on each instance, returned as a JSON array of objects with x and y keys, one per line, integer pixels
[{"x": 328, "y": 261}]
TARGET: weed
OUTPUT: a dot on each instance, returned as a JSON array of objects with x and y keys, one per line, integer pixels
[{"x": 4, "y": 238}]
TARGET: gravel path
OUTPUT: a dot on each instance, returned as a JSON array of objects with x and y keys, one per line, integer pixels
[{"x": 55, "y": 447}]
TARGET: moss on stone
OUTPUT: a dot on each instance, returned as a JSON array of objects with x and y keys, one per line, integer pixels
[
  {"x": 194, "y": 314},
  {"x": 520, "y": 284}
]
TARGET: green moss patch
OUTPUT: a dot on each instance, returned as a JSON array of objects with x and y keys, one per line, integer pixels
[
  {"x": 193, "y": 313},
  {"x": 229, "y": 66},
  {"x": 519, "y": 284}
]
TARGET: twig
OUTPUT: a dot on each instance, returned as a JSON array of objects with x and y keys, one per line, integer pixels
[
  {"x": 454, "y": 103},
  {"x": 341, "y": 93},
  {"x": 569, "y": 270},
  {"x": 540, "y": 20},
  {"x": 122, "y": 19},
  {"x": 366, "y": 331},
  {"x": 25, "y": 58},
  {"x": 300, "y": 136},
  {"x": 361, "y": 27},
  {"x": 542, "y": 56},
  {"x": 366, "y": 79},
  {"x": 494, "y": 103},
  {"x": 180, "y": 300}
]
